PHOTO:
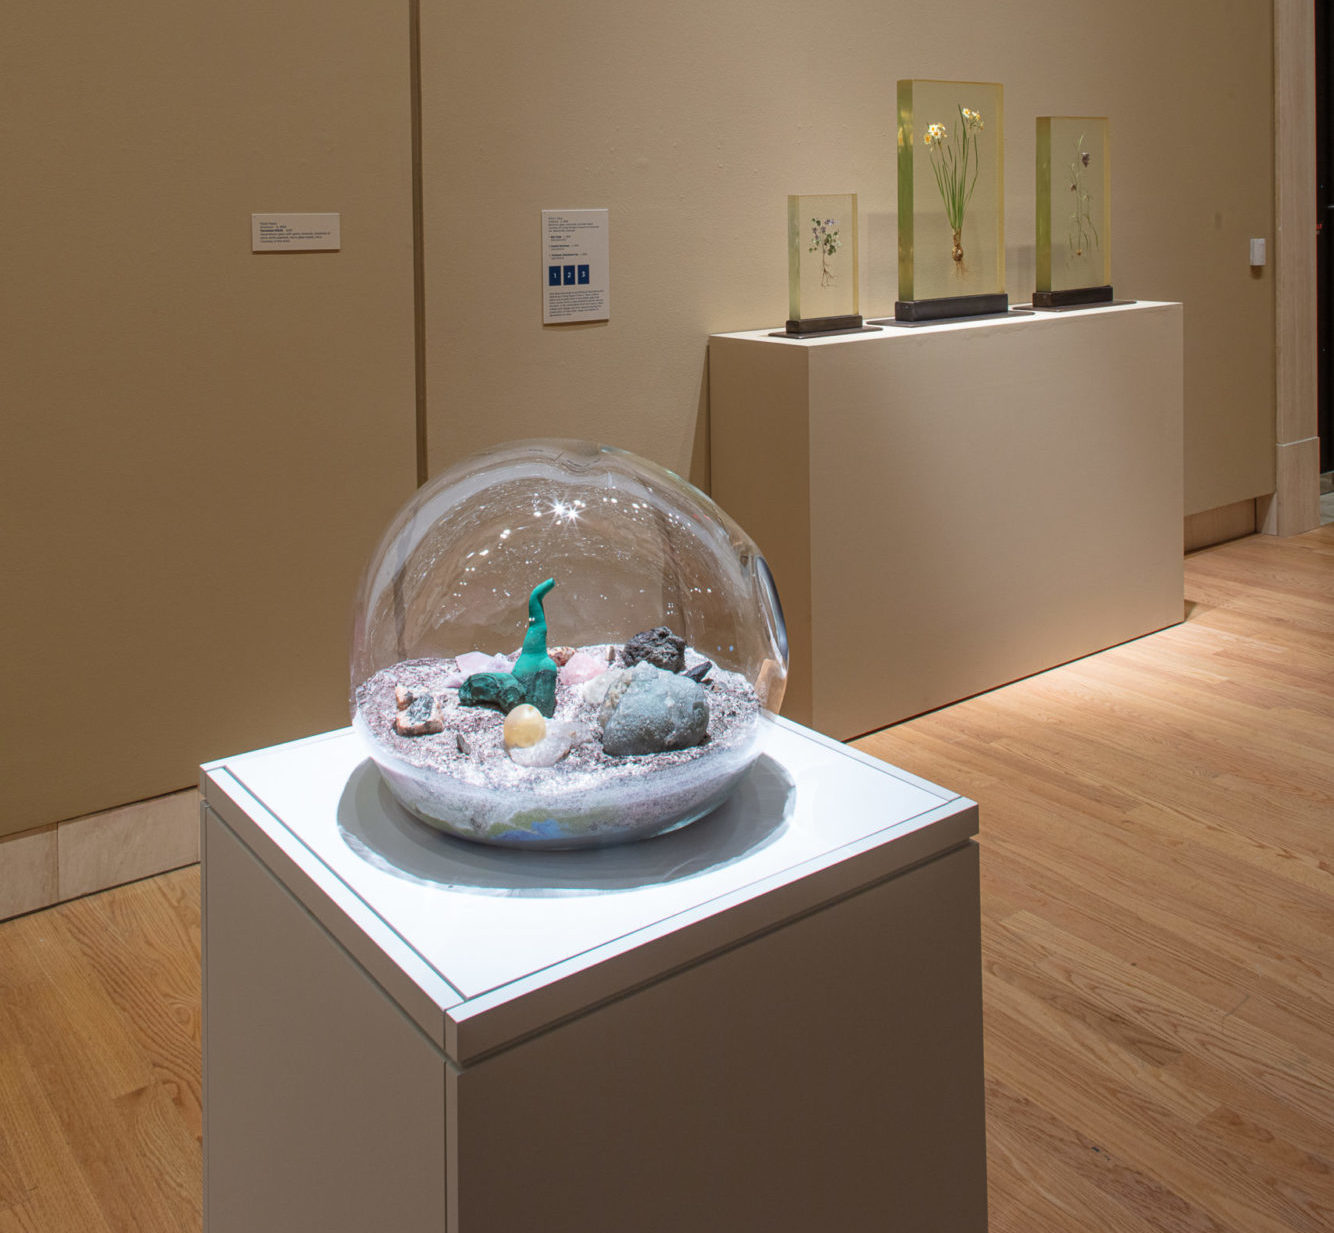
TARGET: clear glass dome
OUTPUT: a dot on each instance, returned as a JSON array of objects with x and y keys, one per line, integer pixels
[{"x": 523, "y": 572}]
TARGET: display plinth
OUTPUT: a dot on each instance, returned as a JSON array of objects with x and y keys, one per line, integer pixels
[
  {"x": 770, "y": 1019},
  {"x": 951, "y": 507}
]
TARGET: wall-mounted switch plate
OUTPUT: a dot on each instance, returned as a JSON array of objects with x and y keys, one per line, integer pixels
[{"x": 1257, "y": 252}]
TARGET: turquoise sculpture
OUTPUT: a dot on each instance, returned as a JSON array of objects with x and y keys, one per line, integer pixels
[
  {"x": 535, "y": 670},
  {"x": 497, "y": 690},
  {"x": 533, "y": 677}
]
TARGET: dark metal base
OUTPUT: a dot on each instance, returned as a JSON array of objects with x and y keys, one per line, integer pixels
[
  {"x": 869, "y": 328},
  {"x": 1072, "y": 297},
  {"x": 952, "y": 306},
  {"x": 824, "y": 325},
  {"x": 1009, "y": 314}
]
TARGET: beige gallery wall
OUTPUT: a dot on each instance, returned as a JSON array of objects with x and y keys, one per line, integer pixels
[
  {"x": 692, "y": 120},
  {"x": 200, "y": 444}
]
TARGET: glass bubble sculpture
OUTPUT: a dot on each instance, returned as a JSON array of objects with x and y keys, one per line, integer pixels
[{"x": 636, "y": 624}]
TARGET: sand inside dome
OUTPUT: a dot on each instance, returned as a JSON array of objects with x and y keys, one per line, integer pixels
[{"x": 479, "y": 763}]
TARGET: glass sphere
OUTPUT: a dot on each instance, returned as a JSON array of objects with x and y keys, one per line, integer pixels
[{"x": 539, "y": 561}]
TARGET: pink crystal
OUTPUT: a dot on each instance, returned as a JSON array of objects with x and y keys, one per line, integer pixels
[{"x": 581, "y": 667}]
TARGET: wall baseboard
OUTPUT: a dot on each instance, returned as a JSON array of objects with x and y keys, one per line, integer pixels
[
  {"x": 43, "y": 867},
  {"x": 1295, "y": 506},
  {"x": 1217, "y": 526}
]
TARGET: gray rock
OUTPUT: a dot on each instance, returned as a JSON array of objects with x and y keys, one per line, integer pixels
[
  {"x": 606, "y": 691},
  {"x": 654, "y": 712},
  {"x": 659, "y": 647}
]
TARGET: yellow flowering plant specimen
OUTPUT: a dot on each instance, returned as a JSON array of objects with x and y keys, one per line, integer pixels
[{"x": 955, "y": 163}]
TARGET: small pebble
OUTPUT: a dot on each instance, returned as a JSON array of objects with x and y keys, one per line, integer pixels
[
  {"x": 421, "y": 717},
  {"x": 561, "y": 737},
  {"x": 525, "y": 725}
]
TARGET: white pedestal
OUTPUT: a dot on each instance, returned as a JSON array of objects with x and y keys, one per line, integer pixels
[
  {"x": 769, "y": 1020},
  {"x": 951, "y": 507}
]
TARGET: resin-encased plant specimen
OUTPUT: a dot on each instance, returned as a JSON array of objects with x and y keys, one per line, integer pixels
[
  {"x": 560, "y": 644},
  {"x": 822, "y": 263},
  {"x": 1074, "y": 211},
  {"x": 951, "y": 180}
]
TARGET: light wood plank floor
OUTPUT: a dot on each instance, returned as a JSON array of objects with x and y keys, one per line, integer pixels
[
  {"x": 99, "y": 1063},
  {"x": 1158, "y": 911},
  {"x": 1158, "y": 938}
]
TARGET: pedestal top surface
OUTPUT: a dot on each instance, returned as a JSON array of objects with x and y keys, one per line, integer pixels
[
  {"x": 1021, "y": 315},
  {"x": 491, "y": 923}
]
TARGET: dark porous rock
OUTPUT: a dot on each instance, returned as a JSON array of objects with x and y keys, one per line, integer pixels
[
  {"x": 659, "y": 647},
  {"x": 421, "y": 717},
  {"x": 700, "y": 671},
  {"x": 657, "y": 711},
  {"x": 497, "y": 690}
]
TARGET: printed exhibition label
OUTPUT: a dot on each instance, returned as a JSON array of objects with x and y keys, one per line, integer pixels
[{"x": 576, "y": 279}]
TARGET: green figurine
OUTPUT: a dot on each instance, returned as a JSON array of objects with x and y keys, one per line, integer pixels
[
  {"x": 535, "y": 670},
  {"x": 533, "y": 677}
]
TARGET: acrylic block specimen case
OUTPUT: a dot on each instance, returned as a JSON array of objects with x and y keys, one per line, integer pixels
[
  {"x": 951, "y": 186},
  {"x": 1074, "y": 212},
  {"x": 822, "y": 263}
]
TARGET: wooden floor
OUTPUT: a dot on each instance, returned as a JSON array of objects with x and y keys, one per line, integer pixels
[
  {"x": 1158, "y": 911},
  {"x": 99, "y": 1063},
  {"x": 1158, "y": 941}
]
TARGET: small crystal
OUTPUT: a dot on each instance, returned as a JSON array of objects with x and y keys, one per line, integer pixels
[{"x": 561, "y": 737}]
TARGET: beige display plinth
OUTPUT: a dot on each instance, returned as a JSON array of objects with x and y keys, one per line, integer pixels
[
  {"x": 951, "y": 507},
  {"x": 769, "y": 1020}
]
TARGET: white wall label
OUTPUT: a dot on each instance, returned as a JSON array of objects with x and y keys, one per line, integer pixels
[
  {"x": 576, "y": 272},
  {"x": 295, "y": 233}
]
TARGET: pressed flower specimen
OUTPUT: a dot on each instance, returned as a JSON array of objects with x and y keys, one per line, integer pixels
[
  {"x": 824, "y": 240},
  {"x": 955, "y": 162},
  {"x": 821, "y": 256},
  {"x": 1073, "y": 231},
  {"x": 1082, "y": 234}
]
